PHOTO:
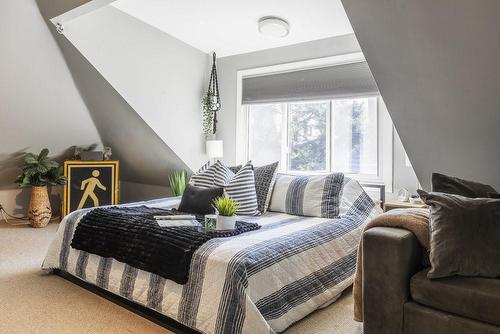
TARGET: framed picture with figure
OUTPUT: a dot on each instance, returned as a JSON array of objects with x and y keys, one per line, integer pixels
[{"x": 90, "y": 184}]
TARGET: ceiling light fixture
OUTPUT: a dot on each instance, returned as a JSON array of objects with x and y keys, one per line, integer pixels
[{"x": 275, "y": 27}]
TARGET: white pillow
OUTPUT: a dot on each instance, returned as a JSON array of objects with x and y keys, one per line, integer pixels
[{"x": 355, "y": 199}]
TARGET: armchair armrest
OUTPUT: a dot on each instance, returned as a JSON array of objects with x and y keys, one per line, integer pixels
[{"x": 391, "y": 256}]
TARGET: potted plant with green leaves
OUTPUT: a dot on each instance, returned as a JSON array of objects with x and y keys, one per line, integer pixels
[
  {"x": 226, "y": 212},
  {"x": 177, "y": 181},
  {"x": 38, "y": 172}
]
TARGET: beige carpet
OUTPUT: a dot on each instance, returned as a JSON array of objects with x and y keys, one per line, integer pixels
[{"x": 31, "y": 302}]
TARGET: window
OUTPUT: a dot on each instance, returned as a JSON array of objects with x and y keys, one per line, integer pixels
[
  {"x": 339, "y": 124},
  {"x": 317, "y": 136}
]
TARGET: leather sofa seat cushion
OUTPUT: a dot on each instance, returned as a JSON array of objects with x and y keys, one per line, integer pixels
[
  {"x": 472, "y": 297},
  {"x": 419, "y": 319}
]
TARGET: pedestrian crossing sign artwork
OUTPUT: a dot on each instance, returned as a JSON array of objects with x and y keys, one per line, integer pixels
[{"x": 90, "y": 184}]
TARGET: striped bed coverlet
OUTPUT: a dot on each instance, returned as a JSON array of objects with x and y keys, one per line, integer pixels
[{"x": 258, "y": 282}]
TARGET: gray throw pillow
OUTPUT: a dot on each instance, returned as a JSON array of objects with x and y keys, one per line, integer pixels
[
  {"x": 454, "y": 185},
  {"x": 465, "y": 235}
]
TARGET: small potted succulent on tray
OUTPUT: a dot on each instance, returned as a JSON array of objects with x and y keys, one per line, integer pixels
[{"x": 226, "y": 209}]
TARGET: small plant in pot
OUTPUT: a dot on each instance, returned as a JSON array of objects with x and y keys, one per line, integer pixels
[
  {"x": 226, "y": 208},
  {"x": 38, "y": 172},
  {"x": 177, "y": 181}
]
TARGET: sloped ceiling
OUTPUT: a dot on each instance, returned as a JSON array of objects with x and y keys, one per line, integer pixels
[
  {"x": 140, "y": 85},
  {"x": 160, "y": 77},
  {"x": 144, "y": 157},
  {"x": 436, "y": 65},
  {"x": 40, "y": 105}
]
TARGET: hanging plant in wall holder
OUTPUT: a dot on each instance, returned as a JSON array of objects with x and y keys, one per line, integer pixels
[
  {"x": 208, "y": 115},
  {"x": 211, "y": 102}
]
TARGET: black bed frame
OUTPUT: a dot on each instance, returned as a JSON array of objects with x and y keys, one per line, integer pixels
[{"x": 141, "y": 310}]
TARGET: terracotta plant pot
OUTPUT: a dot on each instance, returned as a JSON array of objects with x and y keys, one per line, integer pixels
[{"x": 39, "y": 212}]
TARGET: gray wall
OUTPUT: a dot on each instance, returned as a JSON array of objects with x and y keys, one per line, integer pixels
[
  {"x": 403, "y": 175},
  {"x": 436, "y": 65},
  {"x": 40, "y": 106},
  {"x": 229, "y": 66},
  {"x": 136, "y": 192}
]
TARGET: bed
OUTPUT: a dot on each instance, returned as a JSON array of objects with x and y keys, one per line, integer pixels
[{"x": 257, "y": 282}]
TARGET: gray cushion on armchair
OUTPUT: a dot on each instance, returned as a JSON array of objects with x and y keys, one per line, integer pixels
[{"x": 465, "y": 235}]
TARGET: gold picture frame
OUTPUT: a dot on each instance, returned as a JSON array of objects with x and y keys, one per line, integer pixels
[{"x": 90, "y": 184}]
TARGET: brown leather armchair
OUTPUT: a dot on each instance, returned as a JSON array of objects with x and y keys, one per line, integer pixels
[{"x": 399, "y": 298}]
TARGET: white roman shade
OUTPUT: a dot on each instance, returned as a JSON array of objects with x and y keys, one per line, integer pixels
[{"x": 346, "y": 80}]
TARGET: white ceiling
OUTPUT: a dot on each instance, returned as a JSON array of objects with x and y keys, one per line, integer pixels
[{"x": 229, "y": 27}]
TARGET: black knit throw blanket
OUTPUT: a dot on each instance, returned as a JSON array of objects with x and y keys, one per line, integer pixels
[{"x": 131, "y": 235}]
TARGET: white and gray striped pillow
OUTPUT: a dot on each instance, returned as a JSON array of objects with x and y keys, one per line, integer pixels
[
  {"x": 265, "y": 176},
  {"x": 204, "y": 178},
  {"x": 239, "y": 186},
  {"x": 315, "y": 196},
  {"x": 223, "y": 175},
  {"x": 209, "y": 176},
  {"x": 204, "y": 167}
]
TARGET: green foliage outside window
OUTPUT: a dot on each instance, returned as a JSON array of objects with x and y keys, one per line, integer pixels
[{"x": 307, "y": 136}]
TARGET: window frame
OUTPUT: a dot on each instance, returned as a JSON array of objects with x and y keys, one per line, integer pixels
[{"x": 385, "y": 127}]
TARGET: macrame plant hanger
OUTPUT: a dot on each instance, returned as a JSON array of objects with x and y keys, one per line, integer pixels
[{"x": 213, "y": 91}]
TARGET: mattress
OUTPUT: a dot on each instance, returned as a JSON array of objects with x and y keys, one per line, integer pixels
[{"x": 257, "y": 282}]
